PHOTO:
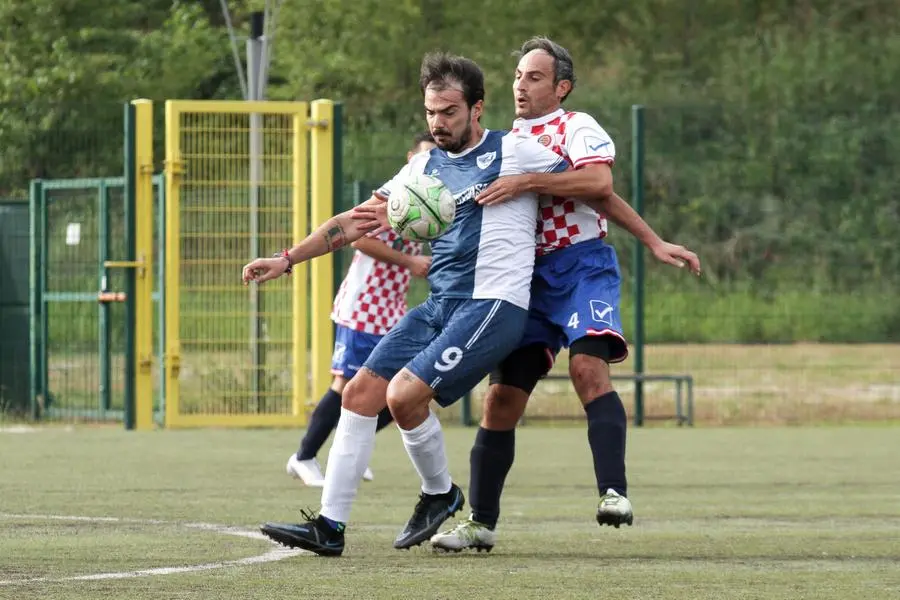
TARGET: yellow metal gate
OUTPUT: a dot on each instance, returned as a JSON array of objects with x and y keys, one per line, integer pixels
[{"x": 238, "y": 186}]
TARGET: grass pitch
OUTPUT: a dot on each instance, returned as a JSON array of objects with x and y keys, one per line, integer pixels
[{"x": 719, "y": 513}]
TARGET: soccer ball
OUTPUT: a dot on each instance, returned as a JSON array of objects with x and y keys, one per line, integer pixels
[{"x": 421, "y": 209}]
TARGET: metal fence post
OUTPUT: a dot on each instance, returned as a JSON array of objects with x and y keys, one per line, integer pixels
[
  {"x": 130, "y": 181},
  {"x": 103, "y": 307},
  {"x": 37, "y": 303},
  {"x": 637, "y": 193},
  {"x": 340, "y": 204},
  {"x": 465, "y": 415}
]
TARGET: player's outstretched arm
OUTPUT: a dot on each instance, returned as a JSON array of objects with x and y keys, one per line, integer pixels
[
  {"x": 335, "y": 233},
  {"x": 617, "y": 210},
  {"x": 592, "y": 181},
  {"x": 418, "y": 265},
  {"x": 372, "y": 215}
]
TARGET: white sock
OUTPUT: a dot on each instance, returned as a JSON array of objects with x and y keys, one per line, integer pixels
[
  {"x": 354, "y": 441},
  {"x": 425, "y": 446}
]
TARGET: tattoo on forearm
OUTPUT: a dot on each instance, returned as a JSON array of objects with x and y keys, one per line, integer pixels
[{"x": 335, "y": 237}]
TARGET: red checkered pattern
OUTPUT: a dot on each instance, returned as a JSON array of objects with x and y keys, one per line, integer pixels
[
  {"x": 372, "y": 298},
  {"x": 563, "y": 221}
]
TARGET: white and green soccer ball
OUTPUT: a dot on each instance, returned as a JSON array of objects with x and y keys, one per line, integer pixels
[{"x": 421, "y": 208}]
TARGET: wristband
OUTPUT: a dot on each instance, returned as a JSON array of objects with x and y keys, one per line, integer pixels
[{"x": 286, "y": 255}]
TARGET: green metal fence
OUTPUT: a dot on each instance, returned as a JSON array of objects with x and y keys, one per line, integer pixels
[
  {"x": 14, "y": 355},
  {"x": 796, "y": 316},
  {"x": 78, "y": 305},
  {"x": 796, "y": 220}
]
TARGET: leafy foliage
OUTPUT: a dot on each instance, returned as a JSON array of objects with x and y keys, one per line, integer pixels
[{"x": 773, "y": 127}]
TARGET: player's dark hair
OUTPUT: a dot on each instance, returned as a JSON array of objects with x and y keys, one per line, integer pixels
[
  {"x": 441, "y": 70},
  {"x": 563, "y": 67},
  {"x": 424, "y": 137}
]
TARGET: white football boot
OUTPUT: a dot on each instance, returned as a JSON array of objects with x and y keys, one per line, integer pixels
[
  {"x": 468, "y": 534},
  {"x": 614, "y": 509},
  {"x": 308, "y": 471}
]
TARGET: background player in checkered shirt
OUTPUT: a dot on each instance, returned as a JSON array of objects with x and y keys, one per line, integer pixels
[
  {"x": 369, "y": 302},
  {"x": 574, "y": 296}
]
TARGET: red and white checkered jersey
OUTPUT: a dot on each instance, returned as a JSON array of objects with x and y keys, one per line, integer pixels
[
  {"x": 581, "y": 141},
  {"x": 372, "y": 297}
]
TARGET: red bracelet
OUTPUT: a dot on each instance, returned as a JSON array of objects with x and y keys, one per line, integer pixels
[{"x": 286, "y": 254}]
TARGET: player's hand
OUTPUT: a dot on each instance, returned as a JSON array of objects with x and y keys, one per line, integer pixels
[
  {"x": 502, "y": 189},
  {"x": 264, "y": 269},
  {"x": 372, "y": 216},
  {"x": 419, "y": 265},
  {"x": 677, "y": 256}
]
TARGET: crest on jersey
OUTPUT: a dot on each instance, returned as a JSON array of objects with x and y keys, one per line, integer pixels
[
  {"x": 545, "y": 140},
  {"x": 485, "y": 160}
]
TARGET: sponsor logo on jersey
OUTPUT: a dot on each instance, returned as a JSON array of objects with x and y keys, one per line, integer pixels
[
  {"x": 594, "y": 144},
  {"x": 469, "y": 193}
]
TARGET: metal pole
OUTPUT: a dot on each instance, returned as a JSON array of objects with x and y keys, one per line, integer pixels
[
  {"x": 35, "y": 206},
  {"x": 637, "y": 182},
  {"x": 161, "y": 294},
  {"x": 254, "y": 72},
  {"x": 105, "y": 371},
  {"x": 340, "y": 258},
  {"x": 234, "y": 48},
  {"x": 130, "y": 314}
]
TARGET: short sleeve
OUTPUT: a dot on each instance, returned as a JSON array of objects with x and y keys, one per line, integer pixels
[{"x": 588, "y": 143}]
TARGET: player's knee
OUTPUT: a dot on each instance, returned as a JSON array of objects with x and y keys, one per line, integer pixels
[
  {"x": 408, "y": 398},
  {"x": 503, "y": 407},
  {"x": 590, "y": 376},
  {"x": 364, "y": 394}
]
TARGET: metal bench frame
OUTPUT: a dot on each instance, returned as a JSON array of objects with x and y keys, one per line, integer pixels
[{"x": 681, "y": 382}]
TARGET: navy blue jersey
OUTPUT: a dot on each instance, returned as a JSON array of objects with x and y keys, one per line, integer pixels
[{"x": 488, "y": 251}]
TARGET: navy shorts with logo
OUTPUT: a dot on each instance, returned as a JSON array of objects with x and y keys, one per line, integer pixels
[{"x": 450, "y": 343}]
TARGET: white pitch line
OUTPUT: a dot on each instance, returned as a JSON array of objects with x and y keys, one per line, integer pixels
[{"x": 272, "y": 555}]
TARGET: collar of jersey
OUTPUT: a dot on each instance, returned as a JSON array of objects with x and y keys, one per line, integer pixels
[
  {"x": 467, "y": 150},
  {"x": 519, "y": 123}
]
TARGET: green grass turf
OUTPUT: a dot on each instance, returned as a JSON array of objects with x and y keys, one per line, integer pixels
[{"x": 720, "y": 513}]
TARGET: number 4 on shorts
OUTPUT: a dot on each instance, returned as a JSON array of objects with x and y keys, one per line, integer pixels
[{"x": 573, "y": 320}]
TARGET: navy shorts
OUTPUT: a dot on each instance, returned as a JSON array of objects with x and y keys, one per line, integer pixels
[
  {"x": 351, "y": 349},
  {"x": 575, "y": 293},
  {"x": 450, "y": 343}
]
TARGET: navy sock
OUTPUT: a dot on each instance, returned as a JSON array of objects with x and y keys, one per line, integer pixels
[
  {"x": 385, "y": 418},
  {"x": 323, "y": 420},
  {"x": 606, "y": 435},
  {"x": 490, "y": 461},
  {"x": 336, "y": 525}
]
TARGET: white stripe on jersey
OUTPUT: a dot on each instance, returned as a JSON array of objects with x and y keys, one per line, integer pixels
[
  {"x": 505, "y": 258},
  {"x": 581, "y": 141}
]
